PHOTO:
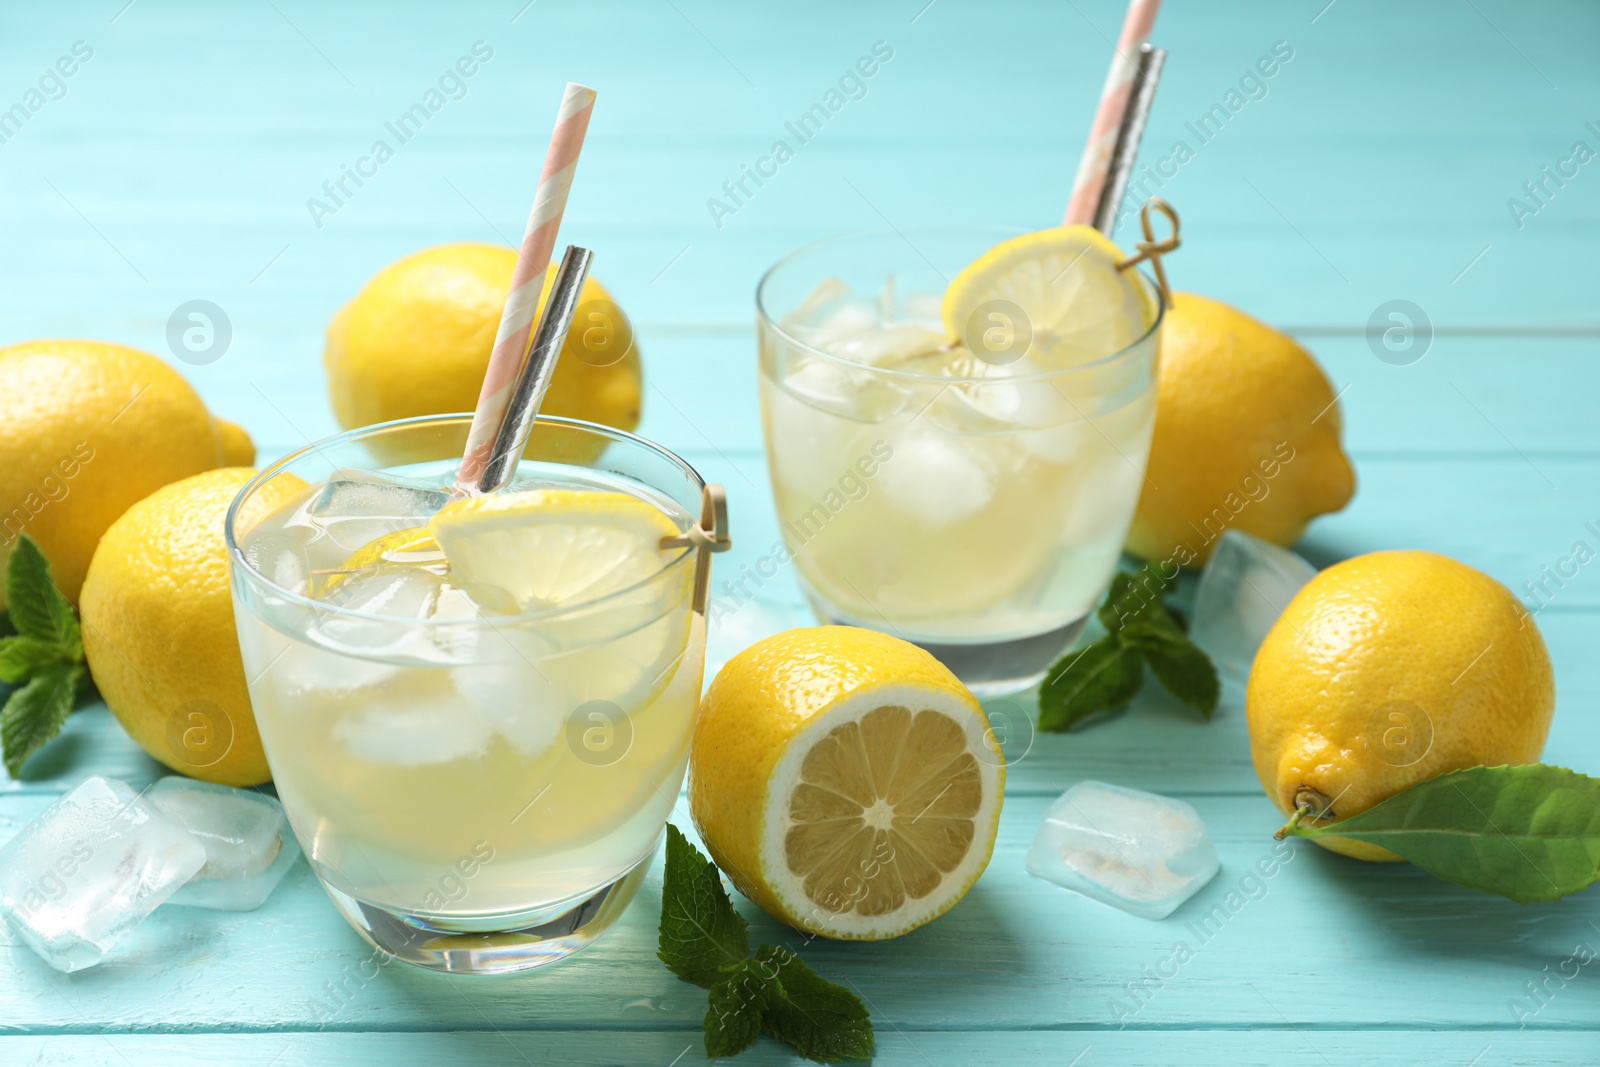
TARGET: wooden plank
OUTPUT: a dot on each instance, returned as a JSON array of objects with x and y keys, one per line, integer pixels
[
  {"x": 1267, "y": 1047},
  {"x": 1015, "y": 949}
]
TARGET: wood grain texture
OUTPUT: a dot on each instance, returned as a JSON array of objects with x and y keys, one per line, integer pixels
[{"x": 1375, "y": 164}]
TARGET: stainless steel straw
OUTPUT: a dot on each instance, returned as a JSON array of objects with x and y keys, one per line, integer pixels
[
  {"x": 536, "y": 372},
  {"x": 1141, "y": 95}
]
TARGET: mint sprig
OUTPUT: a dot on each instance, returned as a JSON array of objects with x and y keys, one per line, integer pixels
[
  {"x": 1106, "y": 674},
  {"x": 1528, "y": 833},
  {"x": 44, "y": 658},
  {"x": 704, "y": 941}
]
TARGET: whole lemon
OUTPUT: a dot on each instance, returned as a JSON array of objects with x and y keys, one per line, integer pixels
[
  {"x": 86, "y": 429},
  {"x": 237, "y": 448},
  {"x": 1389, "y": 669},
  {"x": 845, "y": 781},
  {"x": 1246, "y": 436},
  {"x": 416, "y": 341},
  {"x": 158, "y": 628}
]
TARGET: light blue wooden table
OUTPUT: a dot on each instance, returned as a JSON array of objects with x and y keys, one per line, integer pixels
[{"x": 1376, "y": 165}]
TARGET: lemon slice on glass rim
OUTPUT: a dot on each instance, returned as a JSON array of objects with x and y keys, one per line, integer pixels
[
  {"x": 845, "y": 781},
  {"x": 537, "y": 550},
  {"x": 1054, "y": 296}
]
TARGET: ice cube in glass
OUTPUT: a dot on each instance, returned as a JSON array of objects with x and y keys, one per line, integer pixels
[{"x": 1140, "y": 852}]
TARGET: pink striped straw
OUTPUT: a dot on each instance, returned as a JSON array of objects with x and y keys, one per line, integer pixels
[
  {"x": 1108, "y": 119},
  {"x": 527, "y": 282}
]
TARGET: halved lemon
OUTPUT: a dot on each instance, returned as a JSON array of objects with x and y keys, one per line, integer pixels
[
  {"x": 845, "y": 781},
  {"x": 1054, "y": 296}
]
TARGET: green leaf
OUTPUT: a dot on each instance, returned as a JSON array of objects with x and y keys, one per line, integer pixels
[
  {"x": 734, "y": 1011},
  {"x": 37, "y": 608},
  {"x": 1528, "y": 833},
  {"x": 823, "y": 1021},
  {"x": 1134, "y": 596},
  {"x": 34, "y": 713},
  {"x": 701, "y": 935},
  {"x": 1101, "y": 677},
  {"x": 1182, "y": 668},
  {"x": 22, "y": 657}
]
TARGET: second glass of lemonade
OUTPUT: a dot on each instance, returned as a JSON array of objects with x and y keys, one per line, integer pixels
[
  {"x": 975, "y": 504},
  {"x": 478, "y": 713}
]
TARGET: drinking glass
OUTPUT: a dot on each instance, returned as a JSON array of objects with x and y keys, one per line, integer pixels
[
  {"x": 477, "y": 792},
  {"x": 977, "y": 509}
]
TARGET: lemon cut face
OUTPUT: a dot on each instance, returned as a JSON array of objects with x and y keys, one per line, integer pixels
[{"x": 883, "y": 812}]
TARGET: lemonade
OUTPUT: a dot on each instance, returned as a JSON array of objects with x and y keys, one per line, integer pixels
[
  {"x": 477, "y": 712},
  {"x": 972, "y": 501}
]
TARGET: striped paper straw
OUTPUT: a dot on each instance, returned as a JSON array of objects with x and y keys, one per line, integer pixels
[
  {"x": 527, "y": 282},
  {"x": 1108, "y": 118}
]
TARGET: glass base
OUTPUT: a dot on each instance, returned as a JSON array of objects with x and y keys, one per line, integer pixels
[
  {"x": 988, "y": 668},
  {"x": 515, "y": 942}
]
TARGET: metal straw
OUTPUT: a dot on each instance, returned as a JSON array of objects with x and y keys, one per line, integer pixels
[
  {"x": 535, "y": 376},
  {"x": 1143, "y": 94}
]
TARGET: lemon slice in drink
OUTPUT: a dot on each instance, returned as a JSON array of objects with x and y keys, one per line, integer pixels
[
  {"x": 545, "y": 549},
  {"x": 549, "y": 548},
  {"x": 846, "y": 781},
  {"x": 1055, "y": 296}
]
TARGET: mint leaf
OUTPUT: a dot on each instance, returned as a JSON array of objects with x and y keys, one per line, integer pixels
[
  {"x": 700, "y": 935},
  {"x": 21, "y": 657},
  {"x": 823, "y": 1021},
  {"x": 37, "y": 608},
  {"x": 34, "y": 714},
  {"x": 1179, "y": 665},
  {"x": 734, "y": 1011},
  {"x": 1134, "y": 596},
  {"x": 703, "y": 940},
  {"x": 1101, "y": 677},
  {"x": 1528, "y": 833}
]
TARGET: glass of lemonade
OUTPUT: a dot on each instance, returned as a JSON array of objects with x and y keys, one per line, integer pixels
[
  {"x": 478, "y": 721},
  {"x": 975, "y": 504}
]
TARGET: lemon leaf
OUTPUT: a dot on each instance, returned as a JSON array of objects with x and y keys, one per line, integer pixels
[
  {"x": 35, "y": 713},
  {"x": 734, "y": 1011},
  {"x": 38, "y": 610},
  {"x": 1527, "y": 833},
  {"x": 1102, "y": 677},
  {"x": 822, "y": 1020},
  {"x": 700, "y": 934}
]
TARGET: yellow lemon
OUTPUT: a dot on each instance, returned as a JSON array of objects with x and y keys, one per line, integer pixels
[
  {"x": 1247, "y": 436},
  {"x": 1389, "y": 669},
  {"x": 158, "y": 628},
  {"x": 88, "y": 428},
  {"x": 237, "y": 448},
  {"x": 845, "y": 781},
  {"x": 416, "y": 340},
  {"x": 1056, "y": 293}
]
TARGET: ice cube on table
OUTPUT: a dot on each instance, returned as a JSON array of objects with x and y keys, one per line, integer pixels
[
  {"x": 355, "y": 507},
  {"x": 247, "y": 841},
  {"x": 1244, "y": 588},
  {"x": 1137, "y": 851},
  {"x": 89, "y": 868}
]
